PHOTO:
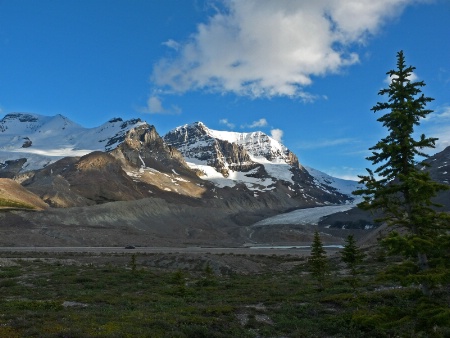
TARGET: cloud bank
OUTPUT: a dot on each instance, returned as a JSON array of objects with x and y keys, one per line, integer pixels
[{"x": 267, "y": 48}]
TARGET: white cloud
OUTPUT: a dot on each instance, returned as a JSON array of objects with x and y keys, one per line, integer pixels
[
  {"x": 413, "y": 78},
  {"x": 439, "y": 131},
  {"x": 260, "y": 123},
  {"x": 439, "y": 115},
  {"x": 227, "y": 123},
  {"x": 155, "y": 106},
  {"x": 443, "y": 135},
  {"x": 277, "y": 134},
  {"x": 265, "y": 48},
  {"x": 172, "y": 44},
  {"x": 437, "y": 125},
  {"x": 257, "y": 124}
]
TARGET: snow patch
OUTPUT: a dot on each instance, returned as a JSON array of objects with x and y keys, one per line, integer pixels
[{"x": 309, "y": 216}]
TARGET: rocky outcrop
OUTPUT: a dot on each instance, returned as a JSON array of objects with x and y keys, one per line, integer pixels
[
  {"x": 142, "y": 146},
  {"x": 194, "y": 142},
  {"x": 91, "y": 179},
  {"x": 141, "y": 166},
  {"x": 11, "y": 168}
]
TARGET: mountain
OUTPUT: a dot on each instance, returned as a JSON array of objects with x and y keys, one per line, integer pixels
[
  {"x": 439, "y": 168},
  {"x": 343, "y": 186},
  {"x": 42, "y": 140},
  {"x": 256, "y": 161},
  {"x": 358, "y": 220},
  {"x": 122, "y": 182},
  {"x": 142, "y": 166}
]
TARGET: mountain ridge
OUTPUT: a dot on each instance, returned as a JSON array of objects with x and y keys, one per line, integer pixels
[
  {"x": 33, "y": 141},
  {"x": 146, "y": 191},
  {"x": 44, "y": 139},
  {"x": 256, "y": 160}
]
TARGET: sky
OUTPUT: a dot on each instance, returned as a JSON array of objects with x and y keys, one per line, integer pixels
[{"x": 305, "y": 72}]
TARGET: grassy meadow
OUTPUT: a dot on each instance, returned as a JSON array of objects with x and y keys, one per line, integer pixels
[{"x": 121, "y": 295}]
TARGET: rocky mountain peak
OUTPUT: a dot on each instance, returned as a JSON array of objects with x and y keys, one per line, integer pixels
[
  {"x": 227, "y": 159},
  {"x": 143, "y": 147},
  {"x": 197, "y": 143},
  {"x": 254, "y": 160}
]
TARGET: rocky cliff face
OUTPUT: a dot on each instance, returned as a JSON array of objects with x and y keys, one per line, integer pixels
[
  {"x": 255, "y": 160},
  {"x": 195, "y": 142},
  {"x": 143, "y": 147},
  {"x": 141, "y": 166},
  {"x": 10, "y": 168}
]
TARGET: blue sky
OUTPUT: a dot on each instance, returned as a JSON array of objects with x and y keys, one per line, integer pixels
[{"x": 306, "y": 72}]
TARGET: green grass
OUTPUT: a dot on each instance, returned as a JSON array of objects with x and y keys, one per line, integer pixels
[
  {"x": 117, "y": 301},
  {"x": 7, "y": 203}
]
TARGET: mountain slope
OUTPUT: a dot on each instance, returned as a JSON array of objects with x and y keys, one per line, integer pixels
[
  {"x": 254, "y": 160},
  {"x": 440, "y": 172},
  {"x": 141, "y": 166},
  {"x": 343, "y": 186},
  {"x": 227, "y": 159},
  {"x": 42, "y": 140},
  {"x": 14, "y": 196}
]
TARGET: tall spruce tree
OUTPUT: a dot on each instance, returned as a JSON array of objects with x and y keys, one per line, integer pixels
[
  {"x": 401, "y": 189},
  {"x": 352, "y": 256},
  {"x": 318, "y": 261}
]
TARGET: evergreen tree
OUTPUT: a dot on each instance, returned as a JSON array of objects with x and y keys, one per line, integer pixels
[
  {"x": 401, "y": 189},
  {"x": 318, "y": 261},
  {"x": 352, "y": 256}
]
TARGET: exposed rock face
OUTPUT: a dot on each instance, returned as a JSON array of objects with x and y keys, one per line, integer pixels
[
  {"x": 255, "y": 159},
  {"x": 141, "y": 166},
  {"x": 26, "y": 142},
  {"x": 440, "y": 166},
  {"x": 118, "y": 138},
  {"x": 91, "y": 179},
  {"x": 194, "y": 142},
  {"x": 11, "y": 168},
  {"x": 142, "y": 146}
]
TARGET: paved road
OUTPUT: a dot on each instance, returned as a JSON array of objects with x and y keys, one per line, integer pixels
[{"x": 266, "y": 250}]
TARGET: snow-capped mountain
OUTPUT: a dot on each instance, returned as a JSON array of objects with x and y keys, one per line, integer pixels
[
  {"x": 44, "y": 139},
  {"x": 253, "y": 159},
  {"x": 230, "y": 158},
  {"x": 343, "y": 186}
]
